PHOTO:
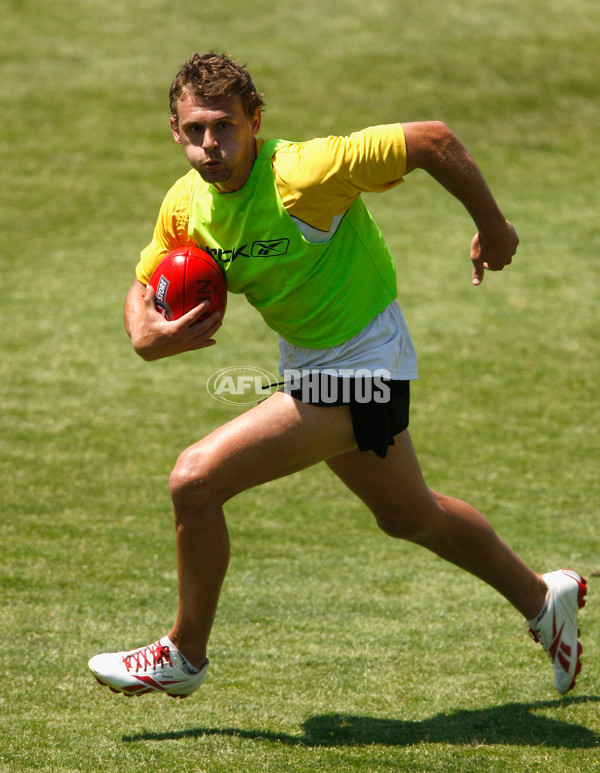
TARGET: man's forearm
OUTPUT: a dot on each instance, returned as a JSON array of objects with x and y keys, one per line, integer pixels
[{"x": 133, "y": 308}]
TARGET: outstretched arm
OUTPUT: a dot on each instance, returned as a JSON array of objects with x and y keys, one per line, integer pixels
[
  {"x": 430, "y": 145},
  {"x": 153, "y": 337}
]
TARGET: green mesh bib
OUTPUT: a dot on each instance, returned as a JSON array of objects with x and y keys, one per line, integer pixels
[{"x": 314, "y": 295}]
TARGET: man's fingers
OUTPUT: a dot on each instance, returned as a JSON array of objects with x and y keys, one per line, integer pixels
[
  {"x": 193, "y": 330},
  {"x": 200, "y": 334},
  {"x": 205, "y": 323},
  {"x": 478, "y": 270},
  {"x": 477, "y": 260},
  {"x": 149, "y": 295},
  {"x": 196, "y": 314},
  {"x": 197, "y": 336}
]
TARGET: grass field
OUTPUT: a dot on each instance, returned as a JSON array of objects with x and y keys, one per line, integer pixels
[{"x": 334, "y": 649}]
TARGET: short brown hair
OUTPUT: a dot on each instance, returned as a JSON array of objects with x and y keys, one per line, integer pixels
[{"x": 211, "y": 77}]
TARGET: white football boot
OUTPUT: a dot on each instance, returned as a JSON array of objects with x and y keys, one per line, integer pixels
[
  {"x": 556, "y": 625},
  {"x": 159, "y": 667}
]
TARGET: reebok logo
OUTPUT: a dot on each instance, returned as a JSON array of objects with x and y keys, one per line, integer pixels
[
  {"x": 267, "y": 249},
  {"x": 556, "y": 640},
  {"x": 262, "y": 248},
  {"x": 559, "y": 650}
]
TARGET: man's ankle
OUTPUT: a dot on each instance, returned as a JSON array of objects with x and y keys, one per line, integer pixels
[{"x": 194, "y": 655}]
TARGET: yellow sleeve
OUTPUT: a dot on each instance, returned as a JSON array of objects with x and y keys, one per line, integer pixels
[
  {"x": 321, "y": 178},
  {"x": 171, "y": 230}
]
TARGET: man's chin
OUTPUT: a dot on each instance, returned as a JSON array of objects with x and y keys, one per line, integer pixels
[{"x": 219, "y": 175}]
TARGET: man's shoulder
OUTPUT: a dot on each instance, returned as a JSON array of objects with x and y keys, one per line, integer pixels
[
  {"x": 177, "y": 198},
  {"x": 184, "y": 184},
  {"x": 335, "y": 152}
]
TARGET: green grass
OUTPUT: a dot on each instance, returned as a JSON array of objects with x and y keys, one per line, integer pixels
[{"x": 334, "y": 648}]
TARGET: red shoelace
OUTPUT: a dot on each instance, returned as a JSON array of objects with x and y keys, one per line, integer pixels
[{"x": 150, "y": 656}]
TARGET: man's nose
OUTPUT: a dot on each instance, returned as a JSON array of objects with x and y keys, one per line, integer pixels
[{"x": 209, "y": 140}]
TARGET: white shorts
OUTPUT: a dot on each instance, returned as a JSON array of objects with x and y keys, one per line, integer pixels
[{"x": 384, "y": 344}]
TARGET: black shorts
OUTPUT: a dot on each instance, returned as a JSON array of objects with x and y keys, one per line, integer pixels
[{"x": 379, "y": 407}]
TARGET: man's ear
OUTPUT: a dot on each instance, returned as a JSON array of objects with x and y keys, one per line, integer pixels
[
  {"x": 175, "y": 129},
  {"x": 256, "y": 121}
]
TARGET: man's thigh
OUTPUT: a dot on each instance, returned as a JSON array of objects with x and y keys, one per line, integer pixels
[
  {"x": 390, "y": 487},
  {"x": 275, "y": 438}
]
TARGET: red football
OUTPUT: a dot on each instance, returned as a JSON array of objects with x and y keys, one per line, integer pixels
[{"x": 186, "y": 277}]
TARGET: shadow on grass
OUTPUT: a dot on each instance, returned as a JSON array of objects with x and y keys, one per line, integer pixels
[{"x": 515, "y": 724}]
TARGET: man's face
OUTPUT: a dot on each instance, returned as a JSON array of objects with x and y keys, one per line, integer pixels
[{"x": 218, "y": 139}]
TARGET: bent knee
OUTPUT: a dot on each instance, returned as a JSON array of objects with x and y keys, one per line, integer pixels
[
  {"x": 192, "y": 480},
  {"x": 400, "y": 528},
  {"x": 414, "y": 524}
]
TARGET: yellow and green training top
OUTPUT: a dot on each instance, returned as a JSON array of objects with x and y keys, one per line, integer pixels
[{"x": 297, "y": 239}]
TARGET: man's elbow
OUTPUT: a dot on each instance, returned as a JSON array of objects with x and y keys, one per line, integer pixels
[{"x": 427, "y": 142}]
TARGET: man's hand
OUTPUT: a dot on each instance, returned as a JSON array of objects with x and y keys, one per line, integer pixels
[
  {"x": 153, "y": 337},
  {"x": 491, "y": 252}
]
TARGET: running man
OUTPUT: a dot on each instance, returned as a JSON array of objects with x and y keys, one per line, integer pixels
[{"x": 330, "y": 294}]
